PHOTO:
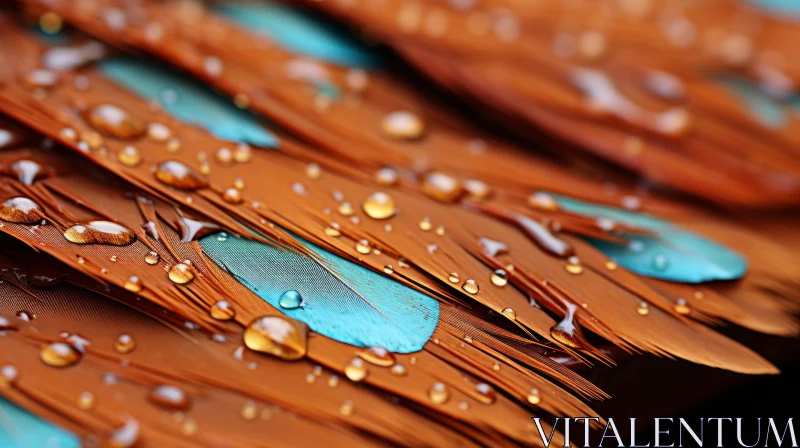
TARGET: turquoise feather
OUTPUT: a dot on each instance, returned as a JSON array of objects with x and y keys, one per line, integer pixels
[
  {"x": 783, "y": 8},
  {"x": 299, "y": 32},
  {"x": 360, "y": 307},
  {"x": 763, "y": 107},
  {"x": 189, "y": 101},
  {"x": 672, "y": 254},
  {"x": 21, "y": 429}
]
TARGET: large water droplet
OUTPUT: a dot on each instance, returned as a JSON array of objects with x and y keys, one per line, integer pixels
[
  {"x": 279, "y": 336},
  {"x": 181, "y": 273},
  {"x": 178, "y": 175},
  {"x": 115, "y": 121},
  {"x": 355, "y": 370},
  {"x": 169, "y": 397},
  {"x": 500, "y": 277},
  {"x": 377, "y": 355},
  {"x": 290, "y": 300},
  {"x": 99, "y": 232},
  {"x": 59, "y": 354},
  {"x": 379, "y": 205},
  {"x": 470, "y": 286},
  {"x": 21, "y": 210}
]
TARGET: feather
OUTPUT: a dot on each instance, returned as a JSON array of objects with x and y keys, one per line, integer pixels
[{"x": 23, "y": 429}]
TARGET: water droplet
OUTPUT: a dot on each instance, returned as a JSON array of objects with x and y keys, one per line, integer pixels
[
  {"x": 124, "y": 344},
  {"x": 243, "y": 153},
  {"x": 442, "y": 187},
  {"x": 238, "y": 183},
  {"x": 499, "y": 277},
  {"x": 345, "y": 209},
  {"x": 192, "y": 229},
  {"x": 125, "y": 436},
  {"x": 181, "y": 274},
  {"x": 130, "y": 156},
  {"x": 681, "y": 307},
  {"x": 402, "y": 125},
  {"x": 567, "y": 331},
  {"x": 425, "y": 224},
  {"x": 59, "y": 354},
  {"x": 363, "y": 247},
  {"x": 533, "y": 397},
  {"x": 543, "y": 201},
  {"x": 189, "y": 427},
  {"x": 5, "y": 325},
  {"x": 152, "y": 257},
  {"x": 378, "y": 356},
  {"x": 313, "y": 171},
  {"x": 333, "y": 381},
  {"x": 25, "y": 315},
  {"x": 8, "y": 374},
  {"x": 178, "y": 175},
  {"x": 232, "y": 196},
  {"x": 290, "y": 300},
  {"x": 346, "y": 408},
  {"x": 133, "y": 284},
  {"x": 21, "y": 210},
  {"x": 388, "y": 269},
  {"x": 611, "y": 266},
  {"x": 85, "y": 401},
  {"x": 660, "y": 262},
  {"x": 379, "y": 206},
  {"x": 440, "y": 230},
  {"x": 510, "y": 313},
  {"x": 170, "y": 397},
  {"x": 398, "y": 370},
  {"x": 224, "y": 155},
  {"x": 574, "y": 266},
  {"x": 386, "y": 176},
  {"x": 115, "y": 121},
  {"x": 99, "y": 232},
  {"x": 279, "y": 336},
  {"x": 174, "y": 145},
  {"x": 249, "y": 410},
  {"x": 158, "y": 132},
  {"x": 470, "y": 286},
  {"x": 39, "y": 79},
  {"x": 222, "y": 310},
  {"x": 355, "y": 370},
  {"x": 26, "y": 171},
  {"x": 643, "y": 309},
  {"x": 333, "y": 230},
  {"x": 438, "y": 393},
  {"x": 485, "y": 393},
  {"x": 477, "y": 189},
  {"x": 453, "y": 277}
]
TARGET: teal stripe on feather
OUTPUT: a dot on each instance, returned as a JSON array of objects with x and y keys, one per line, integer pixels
[
  {"x": 673, "y": 253},
  {"x": 21, "y": 429},
  {"x": 189, "y": 100},
  {"x": 360, "y": 307},
  {"x": 299, "y": 32},
  {"x": 761, "y": 106}
]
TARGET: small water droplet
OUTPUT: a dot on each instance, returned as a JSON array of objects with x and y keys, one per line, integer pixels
[
  {"x": 59, "y": 354},
  {"x": 232, "y": 196},
  {"x": 534, "y": 397},
  {"x": 402, "y": 125},
  {"x": 355, "y": 370},
  {"x": 346, "y": 408},
  {"x": 477, "y": 189},
  {"x": 333, "y": 381},
  {"x": 158, "y": 132},
  {"x": 345, "y": 209},
  {"x": 177, "y": 174},
  {"x": 681, "y": 307},
  {"x": 174, "y": 145},
  {"x": 440, "y": 230},
  {"x": 441, "y": 186},
  {"x": 290, "y": 300},
  {"x": 438, "y": 393},
  {"x": 510, "y": 313},
  {"x": 660, "y": 262},
  {"x": 379, "y": 205},
  {"x": 499, "y": 277},
  {"x": 543, "y": 201},
  {"x": 125, "y": 436},
  {"x": 398, "y": 370},
  {"x": 333, "y": 230},
  {"x": 124, "y": 344},
  {"x": 313, "y": 171},
  {"x": 170, "y": 397},
  {"x": 181, "y": 274},
  {"x": 643, "y": 309},
  {"x": 25, "y": 315},
  {"x": 21, "y": 210},
  {"x": 8, "y": 374},
  {"x": 574, "y": 266},
  {"x": 249, "y": 410},
  {"x": 453, "y": 277},
  {"x": 130, "y": 156},
  {"x": 222, "y": 310},
  {"x": 85, "y": 400},
  {"x": 363, "y": 247},
  {"x": 243, "y": 153},
  {"x": 152, "y": 257},
  {"x": 189, "y": 427},
  {"x": 238, "y": 183},
  {"x": 386, "y": 176},
  {"x": 388, "y": 269},
  {"x": 611, "y": 266},
  {"x": 224, "y": 155},
  {"x": 115, "y": 121},
  {"x": 133, "y": 284},
  {"x": 470, "y": 286},
  {"x": 99, "y": 232},
  {"x": 27, "y": 171},
  {"x": 39, "y": 79},
  {"x": 279, "y": 336},
  {"x": 485, "y": 393},
  {"x": 377, "y": 355}
]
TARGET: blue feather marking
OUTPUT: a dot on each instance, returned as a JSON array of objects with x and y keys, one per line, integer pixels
[
  {"x": 298, "y": 32},
  {"x": 360, "y": 307},
  {"x": 21, "y": 429},
  {"x": 783, "y": 8},
  {"x": 763, "y": 107},
  {"x": 672, "y": 254},
  {"x": 189, "y": 101}
]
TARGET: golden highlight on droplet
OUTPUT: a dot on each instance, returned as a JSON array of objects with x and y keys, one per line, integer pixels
[
  {"x": 181, "y": 274},
  {"x": 425, "y": 224},
  {"x": 470, "y": 286},
  {"x": 533, "y": 397},
  {"x": 499, "y": 277},
  {"x": 179, "y": 175},
  {"x": 313, "y": 171},
  {"x": 681, "y": 307},
  {"x": 643, "y": 309},
  {"x": 21, "y": 210},
  {"x": 377, "y": 355},
  {"x": 355, "y": 370},
  {"x": 99, "y": 232},
  {"x": 573, "y": 266},
  {"x": 59, "y": 354},
  {"x": 363, "y": 247},
  {"x": 379, "y": 205},
  {"x": 346, "y": 408},
  {"x": 438, "y": 393},
  {"x": 510, "y": 313},
  {"x": 133, "y": 284},
  {"x": 152, "y": 257},
  {"x": 453, "y": 277},
  {"x": 124, "y": 344},
  {"x": 277, "y": 335},
  {"x": 129, "y": 156},
  {"x": 222, "y": 310},
  {"x": 345, "y": 209}
]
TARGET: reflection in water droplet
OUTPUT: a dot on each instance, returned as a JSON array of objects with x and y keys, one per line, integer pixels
[
  {"x": 85, "y": 400},
  {"x": 398, "y": 370},
  {"x": 124, "y": 344},
  {"x": 510, "y": 313},
  {"x": 181, "y": 274},
  {"x": 355, "y": 370},
  {"x": 402, "y": 125},
  {"x": 425, "y": 224},
  {"x": 151, "y": 258},
  {"x": 533, "y": 397},
  {"x": 499, "y": 277},
  {"x": 363, "y": 247},
  {"x": 279, "y": 336},
  {"x": 99, "y": 232},
  {"x": 39, "y": 79},
  {"x": 543, "y": 201},
  {"x": 26, "y": 171},
  {"x": 290, "y": 300},
  {"x": 177, "y": 174},
  {"x": 470, "y": 286},
  {"x": 129, "y": 156},
  {"x": 386, "y": 176},
  {"x": 133, "y": 284},
  {"x": 681, "y": 307},
  {"x": 170, "y": 397},
  {"x": 453, "y": 277},
  {"x": 379, "y": 205},
  {"x": 115, "y": 121},
  {"x": 442, "y": 187},
  {"x": 59, "y": 354},
  {"x": 643, "y": 309},
  {"x": 574, "y": 266},
  {"x": 438, "y": 393},
  {"x": 222, "y": 310},
  {"x": 567, "y": 331},
  {"x": 346, "y": 408},
  {"x": 232, "y": 195},
  {"x": 377, "y": 355},
  {"x": 21, "y": 210}
]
